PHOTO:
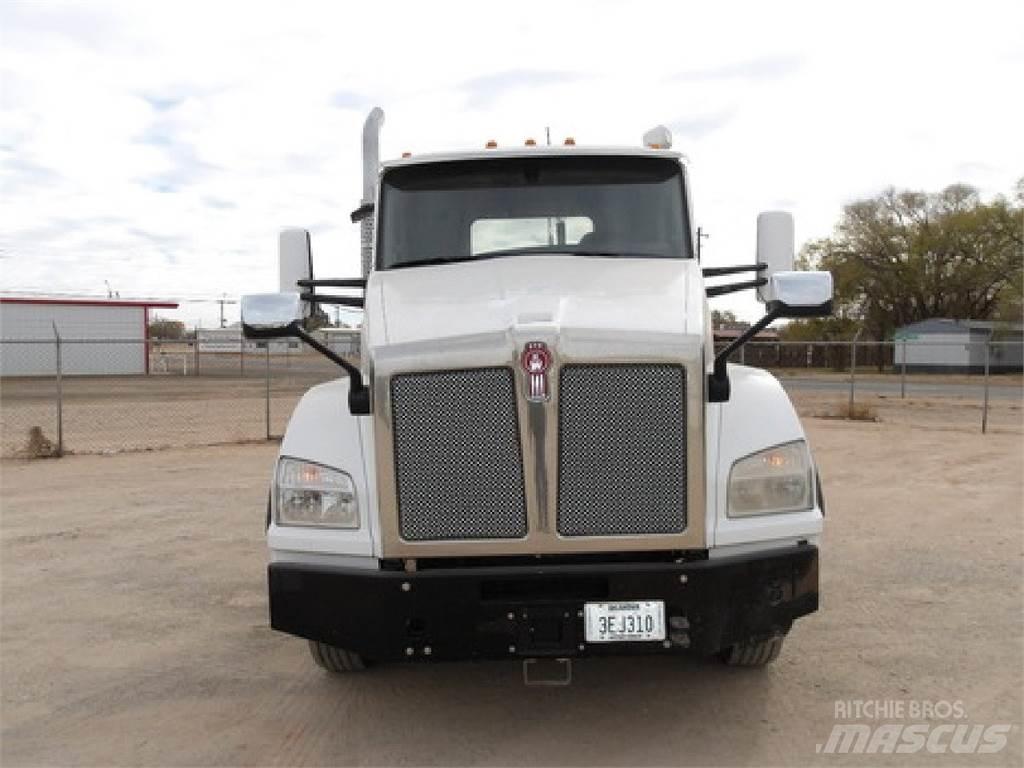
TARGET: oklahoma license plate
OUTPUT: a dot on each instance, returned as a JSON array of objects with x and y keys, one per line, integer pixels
[{"x": 628, "y": 621}]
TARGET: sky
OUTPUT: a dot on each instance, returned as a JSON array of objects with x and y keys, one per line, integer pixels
[{"x": 159, "y": 147}]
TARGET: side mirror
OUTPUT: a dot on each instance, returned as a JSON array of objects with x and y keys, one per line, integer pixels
[
  {"x": 295, "y": 260},
  {"x": 271, "y": 315},
  {"x": 799, "y": 294},
  {"x": 775, "y": 246}
]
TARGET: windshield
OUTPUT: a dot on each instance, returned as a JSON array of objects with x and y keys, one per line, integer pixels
[{"x": 608, "y": 206}]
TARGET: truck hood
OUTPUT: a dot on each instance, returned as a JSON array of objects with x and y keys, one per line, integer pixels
[{"x": 566, "y": 296}]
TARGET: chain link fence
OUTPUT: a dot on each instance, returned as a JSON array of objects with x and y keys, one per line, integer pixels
[
  {"x": 99, "y": 396},
  {"x": 95, "y": 396}
]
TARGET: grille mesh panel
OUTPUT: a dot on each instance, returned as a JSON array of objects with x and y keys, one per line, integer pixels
[
  {"x": 458, "y": 466},
  {"x": 621, "y": 450}
]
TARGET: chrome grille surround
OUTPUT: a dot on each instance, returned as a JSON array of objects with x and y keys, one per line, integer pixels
[
  {"x": 457, "y": 455},
  {"x": 622, "y": 449}
]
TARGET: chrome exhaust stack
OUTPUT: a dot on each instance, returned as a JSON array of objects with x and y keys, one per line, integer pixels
[{"x": 371, "y": 169}]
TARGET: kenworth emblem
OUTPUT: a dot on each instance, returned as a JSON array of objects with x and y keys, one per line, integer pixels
[{"x": 536, "y": 360}]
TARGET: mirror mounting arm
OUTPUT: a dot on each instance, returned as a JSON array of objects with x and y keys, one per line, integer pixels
[
  {"x": 343, "y": 301},
  {"x": 719, "y": 271},
  {"x": 721, "y": 290},
  {"x": 718, "y": 382},
  {"x": 358, "y": 393}
]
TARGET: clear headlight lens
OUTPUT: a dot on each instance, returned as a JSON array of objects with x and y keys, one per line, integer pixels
[
  {"x": 771, "y": 481},
  {"x": 314, "y": 495}
]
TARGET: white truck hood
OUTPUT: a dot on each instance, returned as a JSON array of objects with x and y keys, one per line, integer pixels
[{"x": 572, "y": 300}]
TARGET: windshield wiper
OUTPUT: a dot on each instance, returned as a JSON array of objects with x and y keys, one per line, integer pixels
[
  {"x": 432, "y": 262},
  {"x": 623, "y": 254}
]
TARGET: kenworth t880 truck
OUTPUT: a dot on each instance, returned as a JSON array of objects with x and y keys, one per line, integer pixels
[{"x": 539, "y": 454}]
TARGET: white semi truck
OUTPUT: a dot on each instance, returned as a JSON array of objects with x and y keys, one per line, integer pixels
[{"x": 539, "y": 454}]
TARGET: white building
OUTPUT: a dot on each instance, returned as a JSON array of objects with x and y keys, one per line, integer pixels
[
  {"x": 959, "y": 346},
  {"x": 229, "y": 340},
  {"x": 98, "y": 336}
]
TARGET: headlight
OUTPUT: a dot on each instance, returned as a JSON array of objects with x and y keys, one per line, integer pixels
[
  {"x": 311, "y": 494},
  {"x": 775, "y": 480}
]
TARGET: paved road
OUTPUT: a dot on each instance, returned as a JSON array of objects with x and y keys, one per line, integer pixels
[{"x": 915, "y": 387}]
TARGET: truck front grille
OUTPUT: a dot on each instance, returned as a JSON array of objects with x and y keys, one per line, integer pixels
[
  {"x": 458, "y": 463},
  {"x": 621, "y": 450}
]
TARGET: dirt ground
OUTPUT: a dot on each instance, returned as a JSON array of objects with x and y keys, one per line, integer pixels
[{"x": 134, "y": 628}]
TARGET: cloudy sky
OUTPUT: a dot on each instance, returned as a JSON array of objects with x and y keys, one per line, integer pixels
[{"x": 160, "y": 146}]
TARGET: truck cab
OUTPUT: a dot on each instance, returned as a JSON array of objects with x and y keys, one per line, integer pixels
[{"x": 539, "y": 454}]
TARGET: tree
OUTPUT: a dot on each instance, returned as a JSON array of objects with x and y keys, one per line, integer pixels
[
  {"x": 161, "y": 328},
  {"x": 720, "y": 318},
  {"x": 906, "y": 256}
]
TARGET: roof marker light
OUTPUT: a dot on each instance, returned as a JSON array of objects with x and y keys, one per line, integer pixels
[
  {"x": 570, "y": 141},
  {"x": 407, "y": 154},
  {"x": 491, "y": 144},
  {"x": 531, "y": 142},
  {"x": 658, "y": 137}
]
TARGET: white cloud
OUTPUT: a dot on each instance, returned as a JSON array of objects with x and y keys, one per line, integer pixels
[{"x": 161, "y": 146}]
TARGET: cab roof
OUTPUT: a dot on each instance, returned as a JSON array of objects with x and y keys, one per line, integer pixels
[{"x": 537, "y": 151}]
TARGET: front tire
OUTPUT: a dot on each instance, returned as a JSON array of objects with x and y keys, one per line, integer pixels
[
  {"x": 754, "y": 653},
  {"x": 335, "y": 660}
]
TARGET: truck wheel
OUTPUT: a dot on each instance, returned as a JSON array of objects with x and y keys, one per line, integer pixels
[
  {"x": 753, "y": 653},
  {"x": 336, "y": 660}
]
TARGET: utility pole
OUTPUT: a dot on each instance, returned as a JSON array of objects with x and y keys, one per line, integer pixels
[{"x": 222, "y": 301}]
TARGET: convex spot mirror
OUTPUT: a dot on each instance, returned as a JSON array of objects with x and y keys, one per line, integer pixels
[
  {"x": 270, "y": 315},
  {"x": 775, "y": 246},
  {"x": 800, "y": 294}
]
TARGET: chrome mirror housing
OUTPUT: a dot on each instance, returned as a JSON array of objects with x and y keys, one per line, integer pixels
[
  {"x": 270, "y": 315},
  {"x": 799, "y": 294}
]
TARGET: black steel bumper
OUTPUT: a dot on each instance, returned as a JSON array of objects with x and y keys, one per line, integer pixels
[{"x": 536, "y": 610}]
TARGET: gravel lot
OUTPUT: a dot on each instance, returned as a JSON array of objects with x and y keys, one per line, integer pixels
[{"x": 134, "y": 628}]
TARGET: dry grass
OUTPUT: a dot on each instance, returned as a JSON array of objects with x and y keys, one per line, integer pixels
[
  {"x": 38, "y": 445},
  {"x": 850, "y": 412}
]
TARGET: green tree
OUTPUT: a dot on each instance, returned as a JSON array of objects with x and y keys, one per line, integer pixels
[
  {"x": 906, "y": 256},
  {"x": 161, "y": 328},
  {"x": 720, "y": 318}
]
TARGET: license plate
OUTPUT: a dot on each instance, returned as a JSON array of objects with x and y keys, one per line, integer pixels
[{"x": 628, "y": 621}]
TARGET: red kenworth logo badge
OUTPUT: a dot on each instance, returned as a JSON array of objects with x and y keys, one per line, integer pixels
[{"x": 536, "y": 360}]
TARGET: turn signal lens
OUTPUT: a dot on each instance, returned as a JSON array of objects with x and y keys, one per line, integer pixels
[
  {"x": 570, "y": 141},
  {"x": 531, "y": 142},
  {"x": 492, "y": 144}
]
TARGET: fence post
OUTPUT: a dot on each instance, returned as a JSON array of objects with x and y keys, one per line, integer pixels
[
  {"x": 60, "y": 393},
  {"x": 196, "y": 342},
  {"x": 853, "y": 369},
  {"x": 241, "y": 354},
  {"x": 903, "y": 372},
  {"x": 268, "y": 390},
  {"x": 984, "y": 407}
]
